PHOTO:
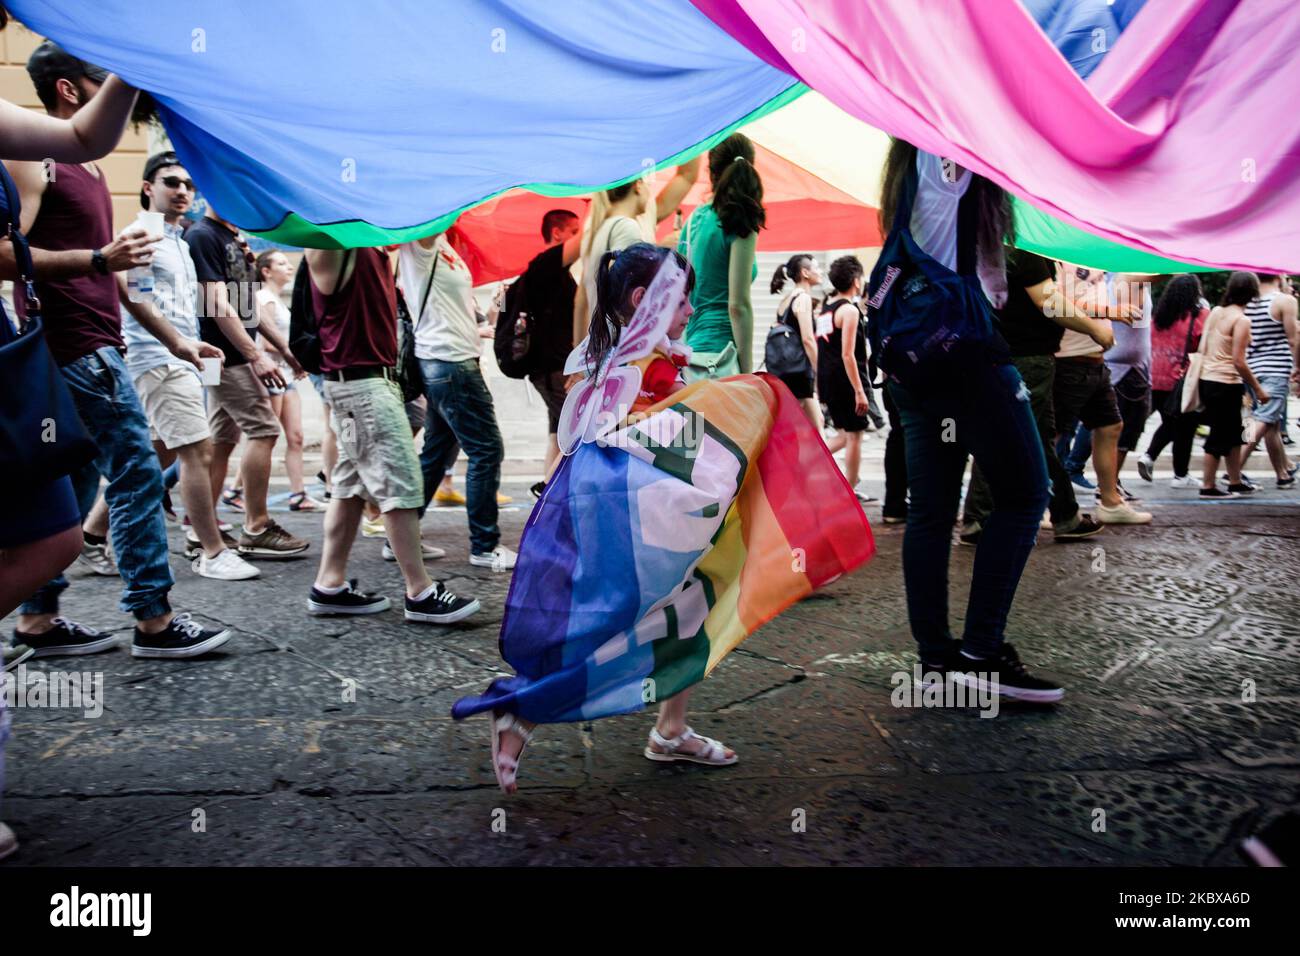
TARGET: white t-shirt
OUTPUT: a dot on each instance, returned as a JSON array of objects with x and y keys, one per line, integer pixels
[
  {"x": 615, "y": 233},
  {"x": 264, "y": 295},
  {"x": 446, "y": 329},
  {"x": 934, "y": 213}
]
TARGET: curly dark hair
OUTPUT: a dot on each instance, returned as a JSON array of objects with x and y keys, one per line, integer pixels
[{"x": 1181, "y": 296}]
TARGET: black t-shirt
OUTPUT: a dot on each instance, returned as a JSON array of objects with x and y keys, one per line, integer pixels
[
  {"x": 549, "y": 290},
  {"x": 219, "y": 256},
  {"x": 1024, "y": 326}
]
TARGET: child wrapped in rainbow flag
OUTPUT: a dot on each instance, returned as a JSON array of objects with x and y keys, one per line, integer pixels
[{"x": 666, "y": 536}]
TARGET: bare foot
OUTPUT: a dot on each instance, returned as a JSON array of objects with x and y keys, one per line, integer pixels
[{"x": 510, "y": 735}]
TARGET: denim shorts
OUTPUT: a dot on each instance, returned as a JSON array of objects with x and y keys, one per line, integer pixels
[{"x": 1274, "y": 410}]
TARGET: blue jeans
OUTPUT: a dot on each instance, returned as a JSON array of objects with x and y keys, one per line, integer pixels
[
  {"x": 111, "y": 412},
  {"x": 1075, "y": 458},
  {"x": 985, "y": 413},
  {"x": 172, "y": 475},
  {"x": 461, "y": 413}
]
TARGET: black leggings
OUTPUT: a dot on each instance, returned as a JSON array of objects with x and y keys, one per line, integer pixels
[{"x": 1178, "y": 429}]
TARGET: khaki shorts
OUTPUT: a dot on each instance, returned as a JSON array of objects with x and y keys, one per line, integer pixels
[
  {"x": 240, "y": 405},
  {"x": 377, "y": 459},
  {"x": 173, "y": 400}
]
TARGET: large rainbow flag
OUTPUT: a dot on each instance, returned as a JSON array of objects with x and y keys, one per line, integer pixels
[
  {"x": 339, "y": 125},
  {"x": 653, "y": 555}
]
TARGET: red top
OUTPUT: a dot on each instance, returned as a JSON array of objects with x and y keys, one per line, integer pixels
[
  {"x": 660, "y": 378},
  {"x": 1167, "y": 345},
  {"x": 358, "y": 323},
  {"x": 81, "y": 314}
]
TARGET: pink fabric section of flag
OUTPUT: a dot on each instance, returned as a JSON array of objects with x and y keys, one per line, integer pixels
[{"x": 1179, "y": 143}]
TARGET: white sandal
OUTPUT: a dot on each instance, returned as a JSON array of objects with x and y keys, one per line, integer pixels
[
  {"x": 503, "y": 766},
  {"x": 713, "y": 754}
]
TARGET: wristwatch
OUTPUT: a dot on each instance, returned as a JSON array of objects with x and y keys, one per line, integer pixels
[{"x": 98, "y": 260}]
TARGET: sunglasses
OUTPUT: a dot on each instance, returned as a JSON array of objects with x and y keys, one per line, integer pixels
[{"x": 175, "y": 182}]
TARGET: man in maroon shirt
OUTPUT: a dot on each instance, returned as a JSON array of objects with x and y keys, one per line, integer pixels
[
  {"x": 66, "y": 207},
  {"x": 355, "y": 300}
]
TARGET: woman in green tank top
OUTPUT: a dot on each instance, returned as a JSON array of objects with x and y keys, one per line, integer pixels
[{"x": 719, "y": 241}]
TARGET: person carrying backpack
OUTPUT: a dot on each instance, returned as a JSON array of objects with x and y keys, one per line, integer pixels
[
  {"x": 535, "y": 332},
  {"x": 957, "y": 394}
]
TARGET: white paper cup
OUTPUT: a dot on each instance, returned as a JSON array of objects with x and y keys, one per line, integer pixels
[
  {"x": 211, "y": 374},
  {"x": 152, "y": 222}
]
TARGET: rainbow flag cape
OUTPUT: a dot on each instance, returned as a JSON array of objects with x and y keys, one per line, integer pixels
[{"x": 653, "y": 555}]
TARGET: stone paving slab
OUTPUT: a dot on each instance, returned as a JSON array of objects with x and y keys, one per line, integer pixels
[{"x": 327, "y": 741}]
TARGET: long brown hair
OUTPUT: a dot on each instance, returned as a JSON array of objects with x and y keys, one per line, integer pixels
[
  {"x": 737, "y": 188},
  {"x": 995, "y": 224}
]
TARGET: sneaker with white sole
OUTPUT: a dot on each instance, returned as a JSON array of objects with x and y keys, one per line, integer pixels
[
  {"x": 499, "y": 558},
  {"x": 194, "y": 547},
  {"x": 1184, "y": 481},
  {"x": 97, "y": 559},
  {"x": 427, "y": 551},
  {"x": 1145, "y": 466},
  {"x": 1123, "y": 513},
  {"x": 440, "y": 606},
  {"x": 373, "y": 528},
  {"x": 350, "y": 599},
  {"x": 182, "y": 637},
  {"x": 226, "y": 566},
  {"x": 67, "y": 639},
  {"x": 271, "y": 542}
]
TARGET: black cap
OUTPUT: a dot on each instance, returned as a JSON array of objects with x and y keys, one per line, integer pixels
[
  {"x": 50, "y": 62},
  {"x": 156, "y": 162}
]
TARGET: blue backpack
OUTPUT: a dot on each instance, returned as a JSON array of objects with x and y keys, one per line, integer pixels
[{"x": 926, "y": 322}]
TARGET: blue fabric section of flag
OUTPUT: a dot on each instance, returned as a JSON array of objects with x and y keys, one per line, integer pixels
[
  {"x": 1083, "y": 32},
  {"x": 397, "y": 112}
]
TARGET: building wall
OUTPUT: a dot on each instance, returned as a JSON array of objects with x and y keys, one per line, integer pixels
[{"x": 123, "y": 167}]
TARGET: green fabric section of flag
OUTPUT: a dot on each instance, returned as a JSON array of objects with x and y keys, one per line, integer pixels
[
  {"x": 354, "y": 233},
  {"x": 1046, "y": 235}
]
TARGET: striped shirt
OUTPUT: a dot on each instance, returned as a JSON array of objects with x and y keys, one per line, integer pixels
[{"x": 1269, "y": 352}]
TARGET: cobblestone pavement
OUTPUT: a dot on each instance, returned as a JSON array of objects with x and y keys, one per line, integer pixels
[{"x": 1155, "y": 631}]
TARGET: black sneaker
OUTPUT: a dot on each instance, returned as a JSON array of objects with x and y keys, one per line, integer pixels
[
  {"x": 351, "y": 600},
  {"x": 1005, "y": 676},
  {"x": 1086, "y": 528},
  {"x": 1244, "y": 488},
  {"x": 1217, "y": 493},
  {"x": 182, "y": 637},
  {"x": 1287, "y": 482},
  {"x": 440, "y": 607},
  {"x": 932, "y": 671},
  {"x": 538, "y": 488},
  {"x": 16, "y": 655},
  {"x": 1245, "y": 480},
  {"x": 970, "y": 534},
  {"x": 67, "y": 639}
]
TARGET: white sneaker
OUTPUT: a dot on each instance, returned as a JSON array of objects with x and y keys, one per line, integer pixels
[
  {"x": 97, "y": 559},
  {"x": 373, "y": 529},
  {"x": 1145, "y": 464},
  {"x": 1123, "y": 513},
  {"x": 427, "y": 551},
  {"x": 226, "y": 566},
  {"x": 1183, "y": 482},
  {"x": 500, "y": 559}
]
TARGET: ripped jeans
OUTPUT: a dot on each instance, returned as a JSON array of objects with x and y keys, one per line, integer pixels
[{"x": 985, "y": 413}]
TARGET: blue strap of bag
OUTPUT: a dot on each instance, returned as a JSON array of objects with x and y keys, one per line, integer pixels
[{"x": 23, "y": 260}]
